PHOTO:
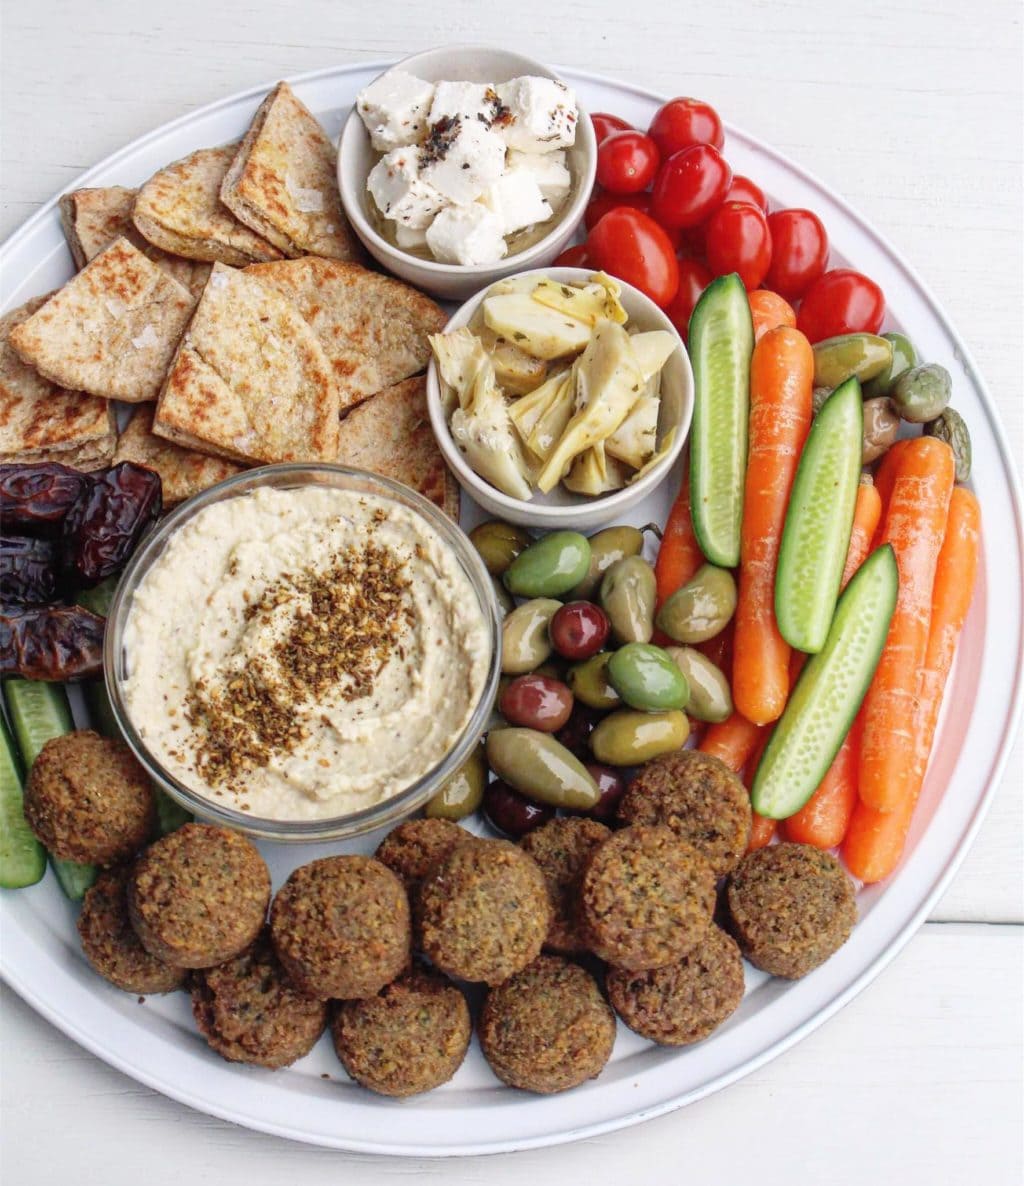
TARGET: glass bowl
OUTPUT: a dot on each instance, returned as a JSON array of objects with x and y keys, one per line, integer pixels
[{"x": 287, "y": 477}]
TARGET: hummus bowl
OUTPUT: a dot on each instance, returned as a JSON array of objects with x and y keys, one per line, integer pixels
[{"x": 303, "y": 652}]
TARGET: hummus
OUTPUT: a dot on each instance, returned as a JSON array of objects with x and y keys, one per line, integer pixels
[{"x": 304, "y": 654}]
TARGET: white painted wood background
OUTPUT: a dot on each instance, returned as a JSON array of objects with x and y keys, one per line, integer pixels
[{"x": 913, "y": 111}]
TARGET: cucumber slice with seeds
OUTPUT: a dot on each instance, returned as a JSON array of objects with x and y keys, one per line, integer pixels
[
  {"x": 829, "y": 692},
  {"x": 22, "y": 857},
  {"x": 721, "y": 341}
]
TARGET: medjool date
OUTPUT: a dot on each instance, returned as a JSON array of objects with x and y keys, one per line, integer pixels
[
  {"x": 51, "y": 643},
  {"x": 35, "y": 498},
  {"x": 107, "y": 521},
  {"x": 28, "y": 570}
]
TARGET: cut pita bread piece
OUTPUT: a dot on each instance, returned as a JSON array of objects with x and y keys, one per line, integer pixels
[
  {"x": 179, "y": 209},
  {"x": 40, "y": 421},
  {"x": 183, "y": 472},
  {"x": 93, "y": 218},
  {"x": 250, "y": 381},
  {"x": 373, "y": 329},
  {"x": 284, "y": 184},
  {"x": 390, "y": 435},
  {"x": 111, "y": 330}
]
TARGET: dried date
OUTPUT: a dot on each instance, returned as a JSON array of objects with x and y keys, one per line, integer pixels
[
  {"x": 34, "y": 499},
  {"x": 53, "y": 643},
  {"x": 28, "y": 570},
  {"x": 106, "y": 522}
]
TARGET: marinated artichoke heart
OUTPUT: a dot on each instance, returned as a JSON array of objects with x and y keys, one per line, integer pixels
[
  {"x": 636, "y": 437},
  {"x": 483, "y": 432},
  {"x": 594, "y": 472},
  {"x": 591, "y": 303}
]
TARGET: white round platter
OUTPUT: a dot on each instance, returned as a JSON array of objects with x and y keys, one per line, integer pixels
[{"x": 155, "y": 1041}]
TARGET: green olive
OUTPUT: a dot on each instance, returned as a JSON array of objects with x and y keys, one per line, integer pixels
[
  {"x": 550, "y": 567},
  {"x": 590, "y": 683},
  {"x": 629, "y": 737},
  {"x": 710, "y": 698},
  {"x": 541, "y": 768},
  {"x": 606, "y": 547},
  {"x": 881, "y": 428},
  {"x": 646, "y": 678},
  {"x": 904, "y": 356},
  {"x": 921, "y": 394},
  {"x": 701, "y": 608},
  {"x": 524, "y": 636},
  {"x": 864, "y": 355},
  {"x": 462, "y": 792},
  {"x": 951, "y": 428},
  {"x": 628, "y": 594},
  {"x": 506, "y": 602},
  {"x": 499, "y": 544}
]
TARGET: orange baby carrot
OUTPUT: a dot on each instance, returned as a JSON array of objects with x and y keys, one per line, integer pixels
[
  {"x": 732, "y": 740},
  {"x": 915, "y": 525},
  {"x": 886, "y": 475},
  {"x": 679, "y": 554},
  {"x": 781, "y": 381},
  {"x": 762, "y": 829},
  {"x": 866, "y": 514},
  {"x": 768, "y": 311},
  {"x": 875, "y": 840}
]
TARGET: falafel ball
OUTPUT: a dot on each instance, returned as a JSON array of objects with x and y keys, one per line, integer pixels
[
  {"x": 113, "y": 948},
  {"x": 699, "y": 798},
  {"x": 561, "y": 848},
  {"x": 483, "y": 913},
  {"x": 198, "y": 896},
  {"x": 341, "y": 927},
  {"x": 548, "y": 1028},
  {"x": 646, "y": 898},
  {"x": 87, "y": 799},
  {"x": 685, "y": 1001},
  {"x": 413, "y": 848},
  {"x": 409, "y": 1038},
  {"x": 249, "y": 1011},
  {"x": 790, "y": 907}
]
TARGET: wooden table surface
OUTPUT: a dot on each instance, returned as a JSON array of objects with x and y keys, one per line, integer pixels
[{"x": 913, "y": 112}]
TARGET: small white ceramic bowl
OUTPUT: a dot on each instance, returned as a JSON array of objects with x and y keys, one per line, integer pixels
[
  {"x": 562, "y": 508},
  {"x": 356, "y": 157}
]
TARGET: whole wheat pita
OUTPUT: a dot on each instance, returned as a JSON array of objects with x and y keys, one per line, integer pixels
[
  {"x": 183, "y": 472},
  {"x": 250, "y": 381},
  {"x": 40, "y": 421},
  {"x": 373, "y": 329},
  {"x": 93, "y": 218},
  {"x": 179, "y": 209},
  {"x": 390, "y": 435},
  {"x": 283, "y": 182},
  {"x": 111, "y": 330}
]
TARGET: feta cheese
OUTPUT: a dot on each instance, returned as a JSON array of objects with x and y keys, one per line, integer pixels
[
  {"x": 541, "y": 114},
  {"x": 466, "y": 235},
  {"x": 394, "y": 109},
  {"x": 400, "y": 191},
  {"x": 517, "y": 201},
  {"x": 462, "y": 158},
  {"x": 548, "y": 169},
  {"x": 471, "y": 100},
  {"x": 409, "y": 238}
]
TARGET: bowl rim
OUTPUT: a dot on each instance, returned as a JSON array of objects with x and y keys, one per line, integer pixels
[
  {"x": 295, "y": 475},
  {"x": 571, "y": 213},
  {"x": 541, "y": 514}
]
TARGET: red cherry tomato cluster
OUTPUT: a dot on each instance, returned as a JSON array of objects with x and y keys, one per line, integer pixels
[{"x": 668, "y": 215}]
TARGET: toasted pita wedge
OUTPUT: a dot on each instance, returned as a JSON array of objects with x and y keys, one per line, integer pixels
[
  {"x": 40, "y": 421},
  {"x": 93, "y": 218},
  {"x": 179, "y": 209},
  {"x": 283, "y": 182},
  {"x": 373, "y": 329},
  {"x": 390, "y": 435},
  {"x": 250, "y": 380},
  {"x": 111, "y": 330},
  {"x": 183, "y": 472}
]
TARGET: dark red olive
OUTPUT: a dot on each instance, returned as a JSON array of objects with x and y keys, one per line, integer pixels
[
  {"x": 611, "y": 784},
  {"x": 536, "y": 702},
  {"x": 509, "y": 812},
  {"x": 579, "y": 630},
  {"x": 575, "y": 733}
]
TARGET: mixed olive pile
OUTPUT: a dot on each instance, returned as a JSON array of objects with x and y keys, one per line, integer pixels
[{"x": 584, "y": 693}]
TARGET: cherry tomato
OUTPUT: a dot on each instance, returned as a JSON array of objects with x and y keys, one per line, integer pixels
[
  {"x": 602, "y": 202},
  {"x": 579, "y": 630},
  {"x": 627, "y": 162},
  {"x": 693, "y": 241},
  {"x": 681, "y": 122},
  {"x": 799, "y": 252},
  {"x": 739, "y": 241},
  {"x": 605, "y": 125},
  {"x": 630, "y": 245},
  {"x": 509, "y": 812},
  {"x": 573, "y": 257},
  {"x": 744, "y": 190},
  {"x": 841, "y": 302},
  {"x": 611, "y": 784},
  {"x": 694, "y": 277},
  {"x": 690, "y": 186}
]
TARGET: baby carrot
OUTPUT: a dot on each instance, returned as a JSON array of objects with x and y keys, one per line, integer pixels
[
  {"x": 732, "y": 740},
  {"x": 762, "y": 829},
  {"x": 781, "y": 381},
  {"x": 866, "y": 514},
  {"x": 768, "y": 311},
  {"x": 875, "y": 840},
  {"x": 885, "y": 476},
  {"x": 679, "y": 555},
  {"x": 915, "y": 524}
]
